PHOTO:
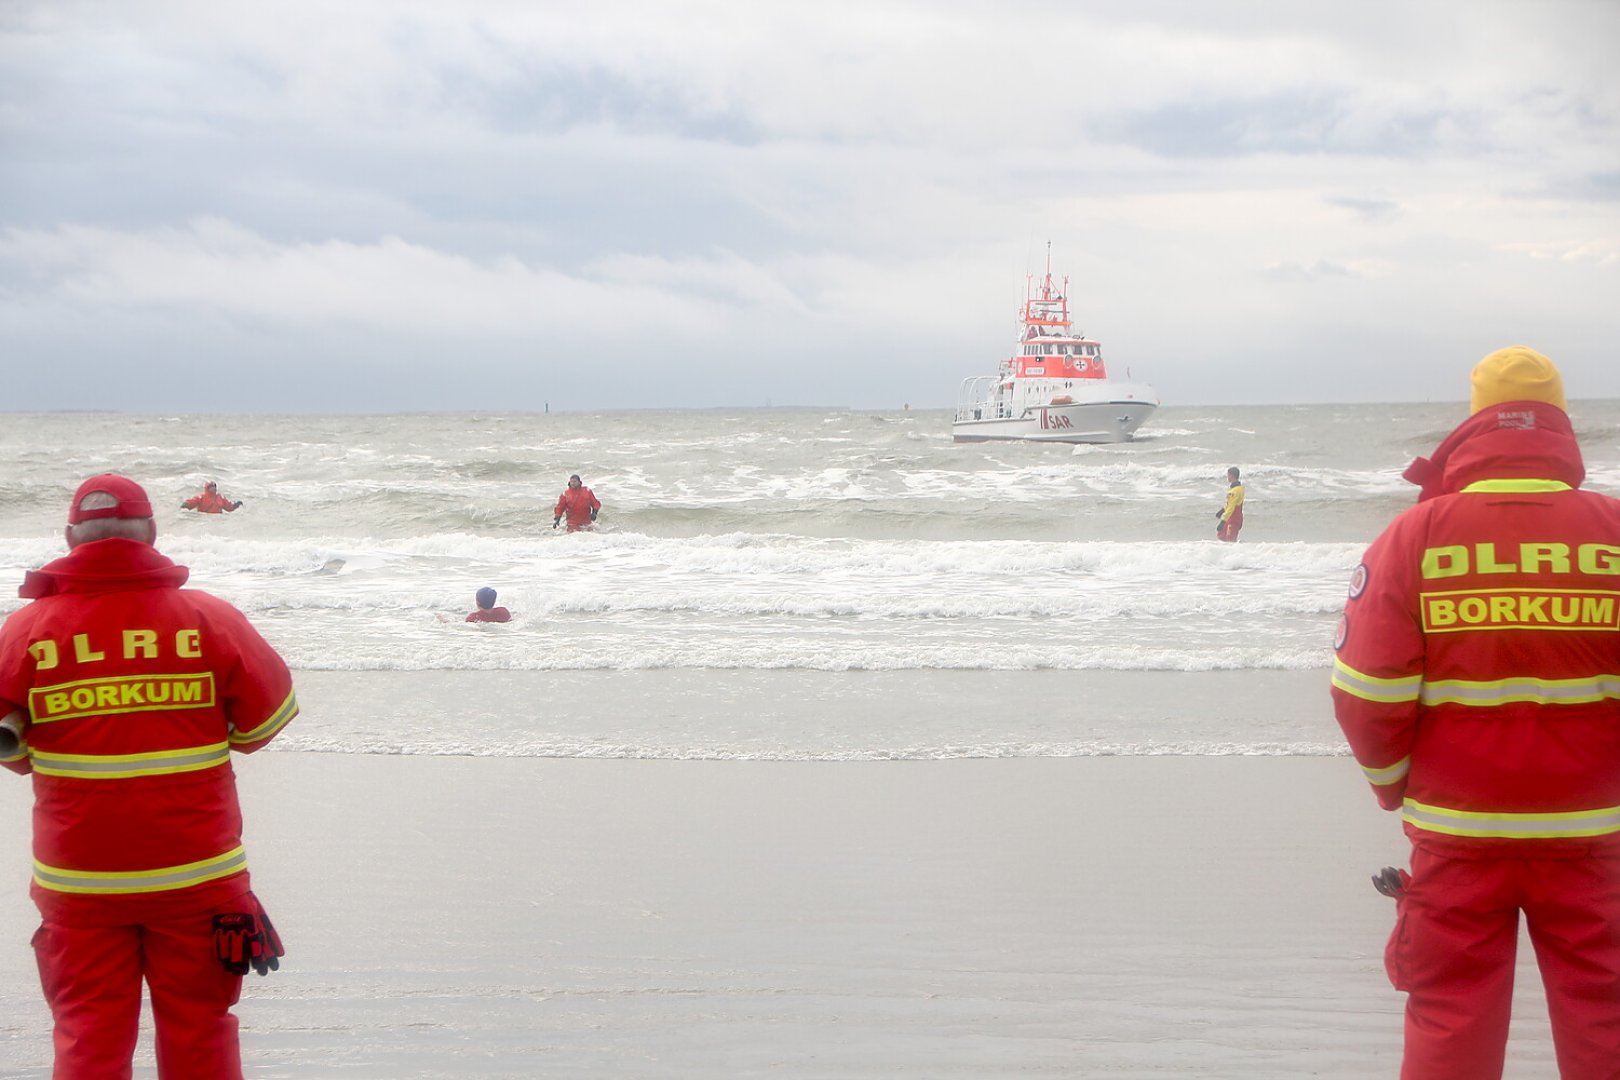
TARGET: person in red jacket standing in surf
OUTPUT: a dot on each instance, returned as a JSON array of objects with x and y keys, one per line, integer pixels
[
  {"x": 210, "y": 501},
  {"x": 578, "y": 503},
  {"x": 124, "y": 697},
  {"x": 1476, "y": 682}
]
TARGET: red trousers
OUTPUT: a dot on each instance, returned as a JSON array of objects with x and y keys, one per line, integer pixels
[
  {"x": 1228, "y": 530},
  {"x": 1453, "y": 951},
  {"x": 92, "y": 980}
]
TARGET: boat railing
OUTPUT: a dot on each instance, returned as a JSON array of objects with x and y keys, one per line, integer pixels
[{"x": 977, "y": 400}]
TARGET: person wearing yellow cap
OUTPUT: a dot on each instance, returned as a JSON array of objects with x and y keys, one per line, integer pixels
[{"x": 1475, "y": 679}]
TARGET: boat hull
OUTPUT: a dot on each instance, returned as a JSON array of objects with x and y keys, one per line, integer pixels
[{"x": 1088, "y": 422}]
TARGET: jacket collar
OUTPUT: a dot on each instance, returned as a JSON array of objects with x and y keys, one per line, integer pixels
[
  {"x": 1516, "y": 440},
  {"x": 112, "y": 565}
]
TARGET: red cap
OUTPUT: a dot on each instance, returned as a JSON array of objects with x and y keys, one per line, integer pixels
[{"x": 129, "y": 499}]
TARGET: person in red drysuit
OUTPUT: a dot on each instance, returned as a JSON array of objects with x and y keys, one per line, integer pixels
[
  {"x": 487, "y": 611},
  {"x": 578, "y": 503},
  {"x": 126, "y": 695},
  {"x": 1475, "y": 679},
  {"x": 210, "y": 501}
]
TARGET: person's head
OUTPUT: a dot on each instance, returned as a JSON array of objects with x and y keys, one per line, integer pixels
[
  {"x": 108, "y": 506},
  {"x": 574, "y": 481},
  {"x": 210, "y": 487},
  {"x": 1232, "y": 475},
  {"x": 1516, "y": 373},
  {"x": 486, "y": 597}
]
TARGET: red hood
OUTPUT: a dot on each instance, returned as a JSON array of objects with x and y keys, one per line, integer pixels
[
  {"x": 114, "y": 565},
  {"x": 1516, "y": 440}
]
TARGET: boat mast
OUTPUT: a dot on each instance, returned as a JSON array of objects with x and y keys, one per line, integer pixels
[{"x": 1052, "y": 307}]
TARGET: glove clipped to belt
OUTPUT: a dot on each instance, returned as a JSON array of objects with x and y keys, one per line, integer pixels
[{"x": 244, "y": 940}]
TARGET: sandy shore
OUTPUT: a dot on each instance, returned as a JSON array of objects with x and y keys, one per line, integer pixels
[{"x": 1110, "y": 917}]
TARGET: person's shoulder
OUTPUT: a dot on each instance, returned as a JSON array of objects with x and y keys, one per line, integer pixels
[
  {"x": 1413, "y": 522},
  {"x": 1599, "y": 497},
  {"x": 211, "y": 605}
]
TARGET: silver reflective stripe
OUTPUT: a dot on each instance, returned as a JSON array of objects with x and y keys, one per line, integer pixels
[
  {"x": 1551, "y": 826},
  {"x": 277, "y": 720},
  {"x": 1539, "y": 691},
  {"x": 1389, "y": 774},
  {"x": 140, "y": 881},
  {"x": 122, "y": 765},
  {"x": 1351, "y": 681}
]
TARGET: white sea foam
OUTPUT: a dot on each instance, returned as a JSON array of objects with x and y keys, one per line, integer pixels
[{"x": 744, "y": 545}]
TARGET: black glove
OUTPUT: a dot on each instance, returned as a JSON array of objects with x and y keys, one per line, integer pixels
[
  {"x": 1220, "y": 513},
  {"x": 237, "y": 505},
  {"x": 593, "y": 513},
  {"x": 555, "y": 520},
  {"x": 1391, "y": 882},
  {"x": 244, "y": 940}
]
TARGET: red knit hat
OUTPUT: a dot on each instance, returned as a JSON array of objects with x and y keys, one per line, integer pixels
[{"x": 128, "y": 499}]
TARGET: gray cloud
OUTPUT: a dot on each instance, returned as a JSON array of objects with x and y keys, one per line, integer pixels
[{"x": 409, "y": 204}]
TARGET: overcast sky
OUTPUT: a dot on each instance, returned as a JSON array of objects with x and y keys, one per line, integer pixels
[{"x": 500, "y": 204}]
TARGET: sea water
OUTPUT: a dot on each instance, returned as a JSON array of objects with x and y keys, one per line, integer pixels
[{"x": 770, "y": 583}]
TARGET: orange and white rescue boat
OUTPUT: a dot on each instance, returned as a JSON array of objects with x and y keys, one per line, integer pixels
[{"x": 1055, "y": 388}]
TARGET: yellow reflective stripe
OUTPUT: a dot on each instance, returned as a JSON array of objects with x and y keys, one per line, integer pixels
[
  {"x": 1517, "y": 485},
  {"x": 278, "y": 720},
  {"x": 162, "y": 879},
  {"x": 1548, "y": 826},
  {"x": 1522, "y": 688},
  {"x": 1361, "y": 685},
  {"x": 1389, "y": 774},
  {"x": 123, "y": 766}
]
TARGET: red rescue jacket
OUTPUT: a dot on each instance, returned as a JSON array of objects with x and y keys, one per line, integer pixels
[
  {"x": 494, "y": 614},
  {"x": 209, "y": 502},
  {"x": 137, "y": 692},
  {"x": 1477, "y": 675},
  {"x": 577, "y": 503}
]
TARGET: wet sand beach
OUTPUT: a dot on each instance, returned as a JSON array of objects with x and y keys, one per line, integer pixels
[{"x": 1145, "y": 916}]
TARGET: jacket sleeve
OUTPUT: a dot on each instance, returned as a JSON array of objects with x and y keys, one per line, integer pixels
[
  {"x": 562, "y": 504},
  {"x": 596, "y": 504},
  {"x": 258, "y": 691},
  {"x": 1378, "y": 661},
  {"x": 14, "y": 694}
]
